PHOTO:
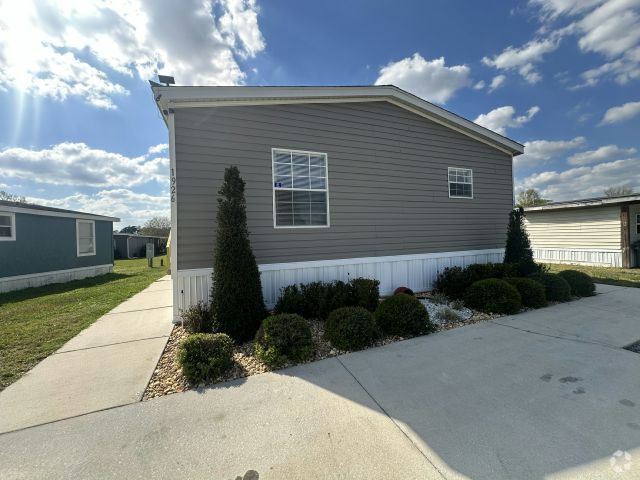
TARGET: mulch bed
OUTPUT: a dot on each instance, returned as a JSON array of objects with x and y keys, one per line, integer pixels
[{"x": 167, "y": 377}]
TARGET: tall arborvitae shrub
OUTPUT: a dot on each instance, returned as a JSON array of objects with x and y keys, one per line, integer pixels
[
  {"x": 237, "y": 305},
  {"x": 518, "y": 249}
]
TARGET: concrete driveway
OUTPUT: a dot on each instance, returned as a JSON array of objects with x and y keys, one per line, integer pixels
[{"x": 546, "y": 394}]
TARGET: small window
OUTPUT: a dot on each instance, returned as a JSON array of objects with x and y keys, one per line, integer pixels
[
  {"x": 7, "y": 226},
  {"x": 85, "y": 237},
  {"x": 637, "y": 223},
  {"x": 300, "y": 189},
  {"x": 460, "y": 183}
]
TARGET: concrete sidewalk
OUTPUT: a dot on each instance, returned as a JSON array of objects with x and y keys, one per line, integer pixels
[
  {"x": 549, "y": 395},
  {"x": 106, "y": 365}
]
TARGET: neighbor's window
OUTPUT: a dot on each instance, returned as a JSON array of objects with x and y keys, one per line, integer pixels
[
  {"x": 460, "y": 183},
  {"x": 300, "y": 197},
  {"x": 86, "y": 237},
  {"x": 638, "y": 223},
  {"x": 7, "y": 226}
]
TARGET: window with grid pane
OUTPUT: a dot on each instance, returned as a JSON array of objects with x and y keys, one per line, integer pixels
[
  {"x": 85, "y": 237},
  {"x": 7, "y": 227},
  {"x": 300, "y": 188},
  {"x": 460, "y": 182}
]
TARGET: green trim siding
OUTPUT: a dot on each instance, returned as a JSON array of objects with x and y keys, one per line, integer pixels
[{"x": 48, "y": 243}]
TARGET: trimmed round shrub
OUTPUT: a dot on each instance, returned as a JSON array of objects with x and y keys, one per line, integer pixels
[
  {"x": 403, "y": 314},
  {"x": 580, "y": 283},
  {"x": 481, "y": 271},
  {"x": 283, "y": 338},
  {"x": 205, "y": 356},
  {"x": 350, "y": 328},
  {"x": 556, "y": 288},
  {"x": 493, "y": 296},
  {"x": 406, "y": 290},
  {"x": 531, "y": 292}
]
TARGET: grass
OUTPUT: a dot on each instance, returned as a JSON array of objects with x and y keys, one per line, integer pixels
[
  {"x": 35, "y": 322},
  {"x": 623, "y": 277}
]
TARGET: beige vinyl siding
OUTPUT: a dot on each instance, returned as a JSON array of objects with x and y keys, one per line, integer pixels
[
  {"x": 387, "y": 177},
  {"x": 577, "y": 228}
]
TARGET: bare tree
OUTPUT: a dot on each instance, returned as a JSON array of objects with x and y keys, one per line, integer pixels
[
  {"x": 157, "y": 227},
  {"x": 11, "y": 197},
  {"x": 531, "y": 198},
  {"x": 620, "y": 191}
]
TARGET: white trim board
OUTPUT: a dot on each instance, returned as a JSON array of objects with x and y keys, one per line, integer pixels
[
  {"x": 414, "y": 271},
  {"x": 18, "y": 282},
  {"x": 579, "y": 256}
]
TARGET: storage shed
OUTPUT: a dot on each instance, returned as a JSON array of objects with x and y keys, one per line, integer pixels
[
  {"x": 134, "y": 246},
  {"x": 593, "y": 231},
  {"x": 41, "y": 245}
]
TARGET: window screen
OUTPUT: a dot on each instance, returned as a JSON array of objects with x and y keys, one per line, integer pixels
[
  {"x": 460, "y": 182},
  {"x": 300, "y": 189},
  {"x": 86, "y": 241},
  {"x": 6, "y": 226}
]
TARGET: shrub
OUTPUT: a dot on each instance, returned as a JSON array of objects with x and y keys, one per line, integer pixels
[
  {"x": 441, "y": 298},
  {"x": 365, "y": 293},
  {"x": 350, "y": 328},
  {"x": 452, "y": 282},
  {"x": 580, "y": 283},
  {"x": 457, "y": 304},
  {"x": 406, "y": 290},
  {"x": 531, "y": 292},
  {"x": 556, "y": 288},
  {"x": 448, "y": 315},
  {"x": 493, "y": 295},
  {"x": 482, "y": 271},
  {"x": 403, "y": 314},
  {"x": 197, "y": 318},
  {"x": 205, "y": 356},
  {"x": 518, "y": 247},
  {"x": 318, "y": 299},
  {"x": 283, "y": 338},
  {"x": 237, "y": 304}
]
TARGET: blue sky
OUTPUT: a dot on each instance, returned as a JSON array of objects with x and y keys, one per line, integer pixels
[{"x": 80, "y": 130}]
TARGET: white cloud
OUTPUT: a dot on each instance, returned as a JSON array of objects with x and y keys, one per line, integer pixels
[
  {"x": 501, "y": 118},
  {"x": 583, "y": 182},
  {"x": 161, "y": 147},
  {"x": 431, "y": 80},
  {"x": 131, "y": 207},
  {"x": 77, "y": 164},
  {"x": 497, "y": 82},
  {"x": 621, "y": 113},
  {"x": 480, "y": 85},
  {"x": 523, "y": 59},
  {"x": 539, "y": 151},
  {"x": 70, "y": 48},
  {"x": 601, "y": 154}
]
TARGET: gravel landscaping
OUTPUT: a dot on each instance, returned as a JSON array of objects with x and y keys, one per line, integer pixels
[{"x": 168, "y": 378}]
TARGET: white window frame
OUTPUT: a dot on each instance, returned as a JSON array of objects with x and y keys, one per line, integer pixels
[
  {"x": 93, "y": 230},
  {"x": 449, "y": 182},
  {"x": 12, "y": 220},
  {"x": 274, "y": 188}
]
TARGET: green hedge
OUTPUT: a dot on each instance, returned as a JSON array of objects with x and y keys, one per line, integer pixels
[
  {"x": 205, "y": 356},
  {"x": 318, "y": 299},
  {"x": 580, "y": 283},
  {"x": 493, "y": 295},
  {"x": 531, "y": 292},
  {"x": 454, "y": 281},
  {"x": 556, "y": 288},
  {"x": 350, "y": 328},
  {"x": 283, "y": 338},
  {"x": 402, "y": 315}
]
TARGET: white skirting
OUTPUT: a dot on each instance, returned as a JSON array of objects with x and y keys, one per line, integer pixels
[
  {"x": 414, "y": 271},
  {"x": 8, "y": 284},
  {"x": 581, "y": 256}
]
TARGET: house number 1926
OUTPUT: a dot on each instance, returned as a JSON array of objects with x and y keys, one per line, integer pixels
[{"x": 173, "y": 186}]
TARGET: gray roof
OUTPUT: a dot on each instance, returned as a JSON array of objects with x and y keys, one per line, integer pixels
[
  {"x": 51, "y": 211},
  {"x": 202, "y": 96},
  {"x": 586, "y": 202}
]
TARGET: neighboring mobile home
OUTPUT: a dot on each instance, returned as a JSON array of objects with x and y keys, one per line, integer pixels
[
  {"x": 341, "y": 182},
  {"x": 41, "y": 245},
  {"x": 594, "y": 231},
  {"x": 126, "y": 245}
]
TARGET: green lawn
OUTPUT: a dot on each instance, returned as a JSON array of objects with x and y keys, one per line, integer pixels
[
  {"x": 624, "y": 277},
  {"x": 35, "y": 322}
]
